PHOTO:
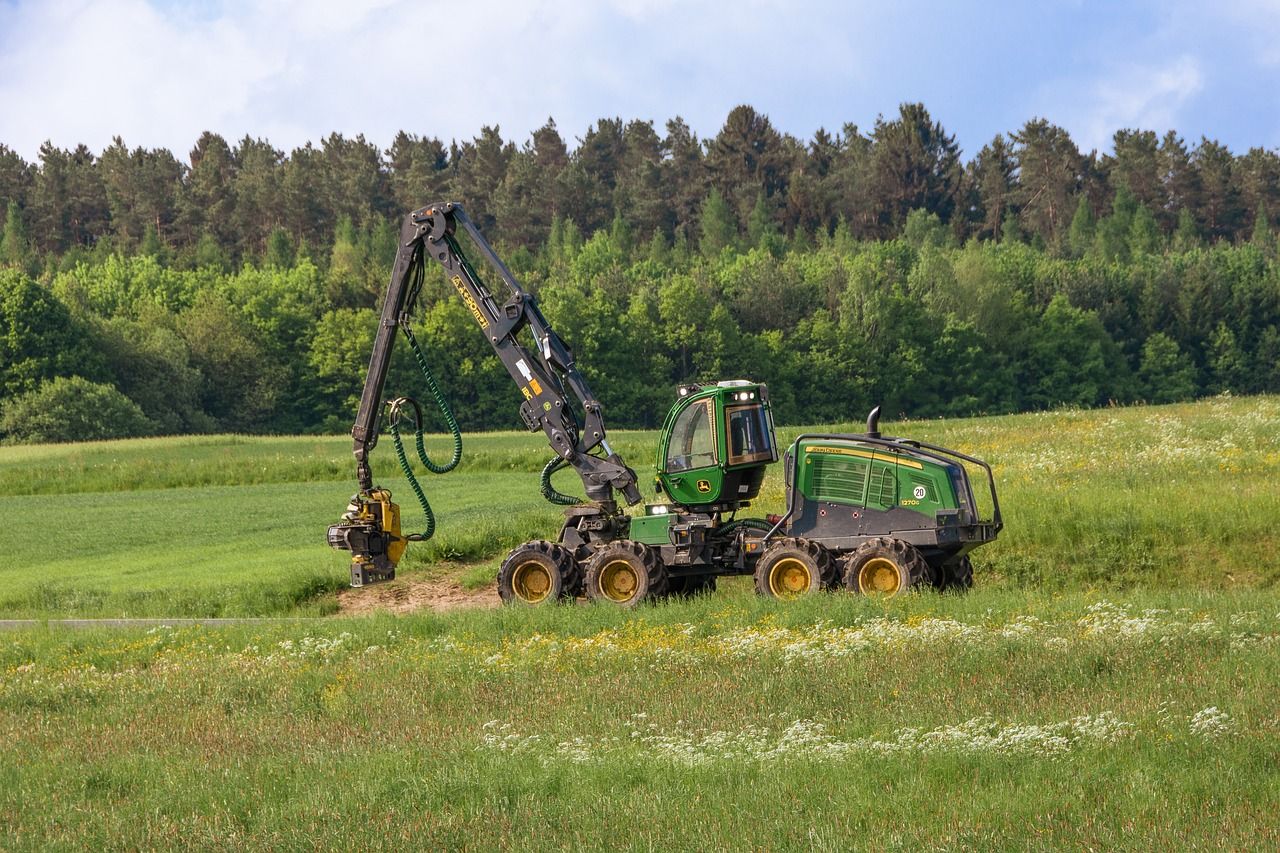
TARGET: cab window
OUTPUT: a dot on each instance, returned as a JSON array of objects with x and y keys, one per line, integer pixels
[
  {"x": 693, "y": 439},
  {"x": 749, "y": 434}
]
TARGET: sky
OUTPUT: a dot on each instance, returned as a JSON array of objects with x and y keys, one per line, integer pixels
[{"x": 160, "y": 72}]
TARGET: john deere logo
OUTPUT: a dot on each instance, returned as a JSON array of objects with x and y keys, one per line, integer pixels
[{"x": 704, "y": 486}]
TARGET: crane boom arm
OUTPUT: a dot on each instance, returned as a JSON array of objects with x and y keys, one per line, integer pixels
[{"x": 547, "y": 377}]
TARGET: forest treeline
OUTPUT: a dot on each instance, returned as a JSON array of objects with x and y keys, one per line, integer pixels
[{"x": 237, "y": 291}]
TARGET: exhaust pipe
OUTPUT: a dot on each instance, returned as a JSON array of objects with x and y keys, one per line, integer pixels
[{"x": 873, "y": 423}]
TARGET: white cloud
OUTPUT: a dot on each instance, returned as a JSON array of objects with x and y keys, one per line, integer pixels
[
  {"x": 1147, "y": 97},
  {"x": 158, "y": 75},
  {"x": 84, "y": 72}
]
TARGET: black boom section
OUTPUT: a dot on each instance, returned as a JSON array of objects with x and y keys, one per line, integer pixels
[{"x": 542, "y": 375}]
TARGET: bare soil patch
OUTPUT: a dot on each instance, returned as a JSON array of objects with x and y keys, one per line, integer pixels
[{"x": 413, "y": 594}]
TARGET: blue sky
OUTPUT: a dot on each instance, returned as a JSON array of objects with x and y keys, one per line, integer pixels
[{"x": 159, "y": 73}]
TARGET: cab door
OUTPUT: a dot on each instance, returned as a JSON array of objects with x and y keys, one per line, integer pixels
[{"x": 691, "y": 472}]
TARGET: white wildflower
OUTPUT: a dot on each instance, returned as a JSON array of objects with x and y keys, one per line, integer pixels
[{"x": 1211, "y": 723}]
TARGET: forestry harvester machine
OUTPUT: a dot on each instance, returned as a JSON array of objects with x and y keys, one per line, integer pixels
[{"x": 868, "y": 512}]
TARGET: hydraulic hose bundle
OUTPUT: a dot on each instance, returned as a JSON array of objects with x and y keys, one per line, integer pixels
[{"x": 395, "y": 410}]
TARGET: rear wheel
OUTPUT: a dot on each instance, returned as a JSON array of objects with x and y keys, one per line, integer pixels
[
  {"x": 886, "y": 567},
  {"x": 792, "y": 568},
  {"x": 538, "y": 572},
  {"x": 957, "y": 575},
  {"x": 625, "y": 573}
]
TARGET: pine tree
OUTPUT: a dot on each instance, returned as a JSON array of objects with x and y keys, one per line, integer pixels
[
  {"x": 1261, "y": 230},
  {"x": 762, "y": 232},
  {"x": 1144, "y": 233},
  {"x": 279, "y": 252},
  {"x": 747, "y": 158},
  {"x": 1050, "y": 172},
  {"x": 15, "y": 249},
  {"x": 1084, "y": 228},
  {"x": 1009, "y": 230},
  {"x": 1114, "y": 231},
  {"x": 151, "y": 246},
  {"x": 992, "y": 176},
  {"x": 1136, "y": 166},
  {"x": 915, "y": 163},
  {"x": 209, "y": 255},
  {"x": 719, "y": 230},
  {"x": 621, "y": 236},
  {"x": 1186, "y": 236},
  {"x": 1220, "y": 212},
  {"x": 1166, "y": 373},
  {"x": 344, "y": 282},
  {"x": 1226, "y": 362},
  {"x": 1183, "y": 189},
  {"x": 658, "y": 250}
]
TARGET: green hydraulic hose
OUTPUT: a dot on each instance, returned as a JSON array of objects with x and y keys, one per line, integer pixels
[
  {"x": 549, "y": 491},
  {"x": 393, "y": 424}
]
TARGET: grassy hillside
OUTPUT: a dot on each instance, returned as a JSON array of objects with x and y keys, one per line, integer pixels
[
  {"x": 1000, "y": 720},
  {"x": 1169, "y": 496}
]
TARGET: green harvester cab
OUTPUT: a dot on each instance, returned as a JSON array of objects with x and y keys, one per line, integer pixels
[{"x": 717, "y": 441}]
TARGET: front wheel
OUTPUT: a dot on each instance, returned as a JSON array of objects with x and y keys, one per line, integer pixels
[
  {"x": 537, "y": 572},
  {"x": 625, "y": 573}
]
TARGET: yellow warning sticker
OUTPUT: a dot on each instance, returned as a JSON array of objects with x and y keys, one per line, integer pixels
[{"x": 536, "y": 386}]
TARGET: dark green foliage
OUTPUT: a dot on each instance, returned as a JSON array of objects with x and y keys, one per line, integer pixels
[
  {"x": 239, "y": 290},
  {"x": 72, "y": 409},
  {"x": 38, "y": 338},
  {"x": 1084, "y": 228},
  {"x": 915, "y": 164},
  {"x": 15, "y": 246},
  {"x": 279, "y": 252},
  {"x": 1166, "y": 373},
  {"x": 241, "y": 387},
  {"x": 152, "y": 366},
  {"x": 1072, "y": 361},
  {"x": 719, "y": 230}
]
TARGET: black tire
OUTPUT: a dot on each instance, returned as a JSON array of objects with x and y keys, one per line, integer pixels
[
  {"x": 957, "y": 575},
  {"x": 791, "y": 568},
  {"x": 625, "y": 573},
  {"x": 886, "y": 567},
  {"x": 537, "y": 572}
]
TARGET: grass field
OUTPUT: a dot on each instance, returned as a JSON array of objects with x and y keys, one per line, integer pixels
[
  {"x": 1000, "y": 720},
  {"x": 1108, "y": 684},
  {"x": 1161, "y": 497}
]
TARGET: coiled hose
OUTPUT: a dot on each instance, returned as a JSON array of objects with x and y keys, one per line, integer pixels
[
  {"x": 549, "y": 491},
  {"x": 394, "y": 410}
]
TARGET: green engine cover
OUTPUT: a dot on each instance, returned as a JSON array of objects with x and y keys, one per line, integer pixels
[{"x": 847, "y": 472}]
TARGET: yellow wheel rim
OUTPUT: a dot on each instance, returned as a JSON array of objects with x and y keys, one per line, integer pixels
[
  {"x": 619, "y": 581},
  {"x": 531, "y": 582},
  {"x": 789, "y": 578},
  {"x": 879, "y": 575}
]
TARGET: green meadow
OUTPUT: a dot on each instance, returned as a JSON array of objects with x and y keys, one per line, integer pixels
[{"x": 1143, "y": 497}]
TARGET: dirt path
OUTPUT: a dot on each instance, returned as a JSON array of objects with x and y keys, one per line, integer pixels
[{"x": 411, "y": 594}]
